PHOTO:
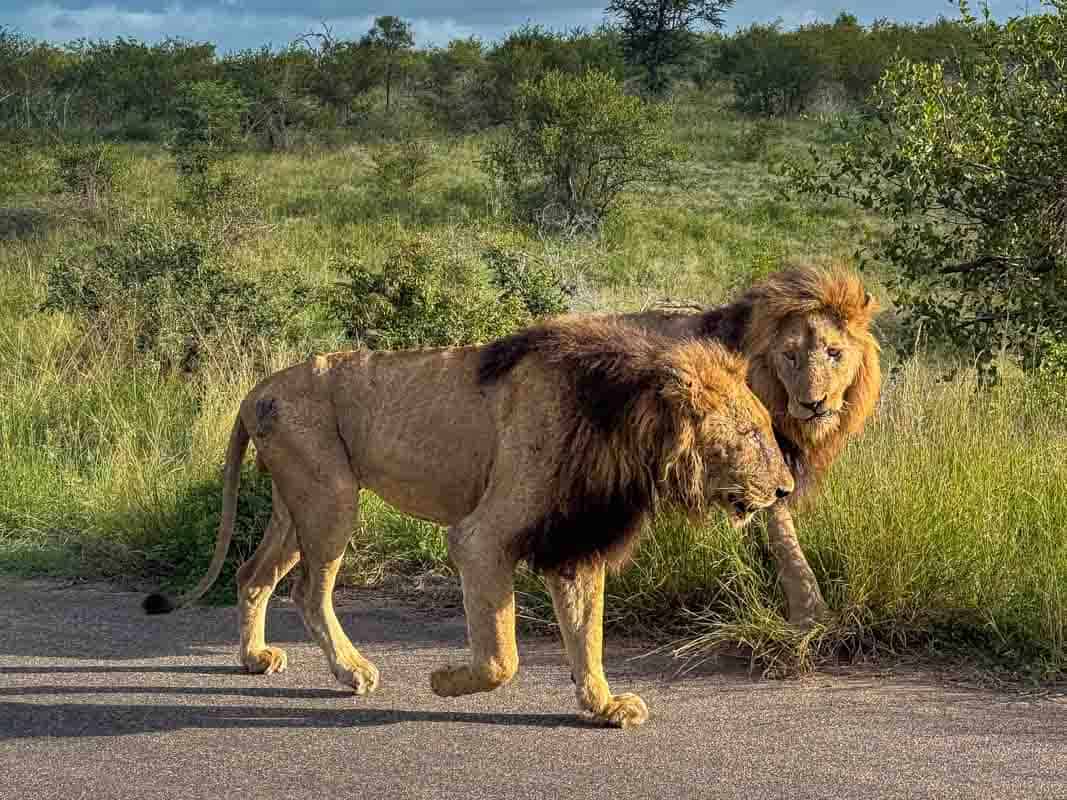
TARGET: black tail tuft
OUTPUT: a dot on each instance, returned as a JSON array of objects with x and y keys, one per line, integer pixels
[{"x": 157, "y": 603}]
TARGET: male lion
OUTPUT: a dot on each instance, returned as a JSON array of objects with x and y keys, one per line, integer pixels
[
  {"x": 813, "y": 362},
  {"x": 553, "y": 445}
]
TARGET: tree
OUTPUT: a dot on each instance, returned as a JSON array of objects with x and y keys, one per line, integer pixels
[
  {"x": 658, "y": 33},
  {"x": 972, "y": 171},
  {"x": 392, "y": 36},
  {"x": 575, "y": 143}
]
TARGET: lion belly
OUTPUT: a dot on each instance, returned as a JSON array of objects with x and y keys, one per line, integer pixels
[{"x": 419, "y": 431}]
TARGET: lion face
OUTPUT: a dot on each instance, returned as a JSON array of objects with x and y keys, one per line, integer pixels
[
  {"x": 745, "y": 471},
  {"x": 815, "y": 360}
]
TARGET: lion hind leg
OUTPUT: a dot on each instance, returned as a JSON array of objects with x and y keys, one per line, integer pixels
[
  {"x": 324, "y": 524},
  {"x": 579, "y": 604},
  {"x": 257, "y": 578},
  {"x": 487, "y": 574}
]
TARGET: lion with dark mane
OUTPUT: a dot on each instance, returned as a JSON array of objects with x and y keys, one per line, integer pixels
[
  {"x": 814, "y": 363},
  {"x": 554, "y": 445}
]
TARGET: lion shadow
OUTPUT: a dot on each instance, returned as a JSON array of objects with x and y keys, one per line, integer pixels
[{"x": 21, "y": 720}]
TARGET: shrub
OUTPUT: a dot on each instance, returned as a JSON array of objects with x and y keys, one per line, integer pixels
[
  {"x": 575, "y": 144},
  {"x": 430, "y": 293},
  {"x": 773, "y": 72},
  {"x": 454, "y": 90},
  {"x": 89, "y": 171},
  {"x": 207, "y": 123},
  {"x": 221, "y": 196},
  {"x": 752, "y": 140},
  {"x": 972, "y": 170},
  {"x": 20, "y": 169},
  {"x": 164, "y": 292},
  {"x": 399, "y": 166},
  {"x": 179, "y": 555}
]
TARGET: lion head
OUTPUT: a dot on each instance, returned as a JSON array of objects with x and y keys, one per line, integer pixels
[
  {"x": 813, "y": 359},
  {"x": 649, "y": 418},
  {"x": 719, "y": 446}
]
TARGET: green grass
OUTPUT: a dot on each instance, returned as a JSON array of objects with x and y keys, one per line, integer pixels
[{"x": 941, "y": 528}]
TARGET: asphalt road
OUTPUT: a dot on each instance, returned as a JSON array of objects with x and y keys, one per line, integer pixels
[{"x": 99, "y": 701}]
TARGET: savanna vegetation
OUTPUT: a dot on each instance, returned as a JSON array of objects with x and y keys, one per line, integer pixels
[{"x": 175, "y": 223}]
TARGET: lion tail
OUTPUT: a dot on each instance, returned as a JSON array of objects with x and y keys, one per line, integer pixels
[{"x": 157, "y": 603}]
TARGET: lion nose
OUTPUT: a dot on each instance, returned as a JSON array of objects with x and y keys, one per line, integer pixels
[
  {"x": 817, "y": 406},
  {"x": 781, "y": 492}
]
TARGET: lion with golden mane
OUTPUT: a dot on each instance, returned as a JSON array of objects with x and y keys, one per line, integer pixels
[
  {"x": 554, "y": 445},
  {"x": 813, "y": 362}
]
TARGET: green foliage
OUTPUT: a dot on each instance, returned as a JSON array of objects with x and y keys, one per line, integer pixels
[
  {"x": 207, "y": 124},
  {"x": 89, "y": 171},
  {"x": 973, "y": 172},
  {"x": 184, "y": 541},
  {"x": 658, "y": 33},
  {"x": 575, "y": 144},
  {"x": 21, "y": 168},
  {"x": 430, "y": 293},
  {"x": 531, "y": 52},
  {"x": 223, "y": 198},
  {"x": 400, "y": 166},
  {"x": 454, "y": 88},
  {"x": 392, "y": 39},
  {"x": 753, "y": 140},
  {"x": 776, "y": 71},
  {"x": 772, "y": 72},
  {"x": 163, "y": 293},
  {"x": 125, "y": 78}
]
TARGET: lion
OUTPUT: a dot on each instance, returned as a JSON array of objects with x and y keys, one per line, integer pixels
[
  {"x": 553, "y": 446},
  {"x": 814, "y": 363}
]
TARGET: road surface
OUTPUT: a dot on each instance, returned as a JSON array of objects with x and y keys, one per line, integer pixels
[{"x": 99, "y": 701}]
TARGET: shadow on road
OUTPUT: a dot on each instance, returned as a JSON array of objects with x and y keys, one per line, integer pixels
[{"x": 32, "y": 720}]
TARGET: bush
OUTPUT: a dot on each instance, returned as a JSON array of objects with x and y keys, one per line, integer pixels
[
  {"x": 399, "y": 166},
  {"x": 752, "y": 140},
  {"x": 20, "y": 168},
  {"x": 773, "y": 72},
  {"x": 429, "y": 293},
  {"x": 181, "y": 552},
  {"x": 454, "y": 91},
  {"x": 207, "y": 124},
  {"x": 163, "y": 292},
  {"x": 89, "y": 171},
  {"x": 575, "y": 144},
  {"x": 222, "y": 197},
  {"x": 972, "y": 169}
]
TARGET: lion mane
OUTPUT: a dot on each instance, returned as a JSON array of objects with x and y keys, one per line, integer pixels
[
  {"x": 751, "y": 325},
  {"x": 629, "y": 431}
]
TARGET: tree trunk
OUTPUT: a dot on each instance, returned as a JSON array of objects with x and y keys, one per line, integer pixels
[{"x": 388, "y": 83}]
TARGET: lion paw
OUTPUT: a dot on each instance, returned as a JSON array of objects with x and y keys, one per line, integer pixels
[
  {"x": 623, "y": 711},
  {"x": 457, "y": 681},
  {"x": 362, "y": 677},
  {"x": 266, "y": 661}
]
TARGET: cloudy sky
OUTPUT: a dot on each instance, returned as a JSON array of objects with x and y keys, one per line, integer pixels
[{"x": 234, "y": 24}]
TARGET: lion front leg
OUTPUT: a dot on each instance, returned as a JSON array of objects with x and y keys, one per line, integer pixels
[
  {"x": 803, "y": 598},
  {"x": 487, "y": 573},
  {"x": 579, "y": 605}
]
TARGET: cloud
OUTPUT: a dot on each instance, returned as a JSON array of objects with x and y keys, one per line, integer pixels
[
  {"x": 236, "y": 24},
  {"x": 228, "y": 23}
]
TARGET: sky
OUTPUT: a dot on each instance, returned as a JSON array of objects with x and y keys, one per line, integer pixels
[{"x": 236, "y": 24}]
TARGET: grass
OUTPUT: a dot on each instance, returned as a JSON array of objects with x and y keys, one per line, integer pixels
[{"x": 940, "y": 529}]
